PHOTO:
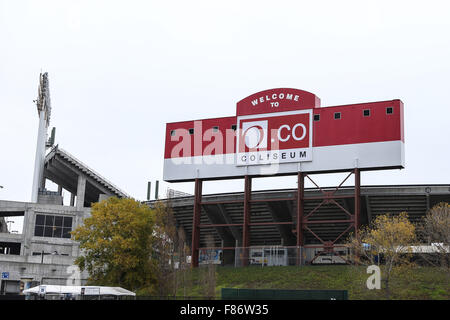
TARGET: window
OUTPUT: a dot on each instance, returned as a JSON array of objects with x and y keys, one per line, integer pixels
[
  {"x": 172, "y": 133},
  {"x": 39, "y": 231},
  {"x": 233, "y": 127},
  {"x": 36, "y": 253},
  {"x": 316, "y": 117},
  {"x": 40, "y": 219},
  {"x": 191, "y": 131},
  {"x": 389, "y": 110},
  {"x": 366, "y": 112},
  {"x": 53, "y": 226},
  {"x": 216, "y": 129},
  {"x": 337, "y": 115}
]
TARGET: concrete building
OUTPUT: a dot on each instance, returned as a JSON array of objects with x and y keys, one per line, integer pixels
[{"x": 43, "y": 253}]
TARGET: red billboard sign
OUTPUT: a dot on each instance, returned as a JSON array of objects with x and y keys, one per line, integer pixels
[{"x": 283, "y": 131}]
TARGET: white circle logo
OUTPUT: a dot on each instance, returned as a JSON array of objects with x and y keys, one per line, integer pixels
[{"x": 253, "y": 136}]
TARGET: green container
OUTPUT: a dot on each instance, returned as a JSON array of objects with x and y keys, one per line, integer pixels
[{"x": 275, "y": 294}]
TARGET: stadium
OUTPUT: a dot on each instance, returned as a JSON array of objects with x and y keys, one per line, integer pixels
[
  {"x": 281, "y": 132},
  {"x": 273, "y": 220},
  {"x": 296, "y": 226}
]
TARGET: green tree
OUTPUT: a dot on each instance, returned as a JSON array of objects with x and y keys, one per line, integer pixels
[{"x": 117, "y": 243}]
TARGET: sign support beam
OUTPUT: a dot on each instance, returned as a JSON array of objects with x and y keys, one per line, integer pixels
[
  {"x": 247, "y": 218},
  {"x": 357, "y": 199},
  {"x": 196, "y": 222},
  {"x": 329, "y": 197},
  {"x": 300, "y": 206}
]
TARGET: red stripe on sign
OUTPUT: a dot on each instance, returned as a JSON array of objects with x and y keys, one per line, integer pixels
[{"x": 337, "y": 125}]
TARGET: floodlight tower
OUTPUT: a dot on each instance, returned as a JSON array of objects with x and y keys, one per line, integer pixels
[{"x": 44, "y": 111}]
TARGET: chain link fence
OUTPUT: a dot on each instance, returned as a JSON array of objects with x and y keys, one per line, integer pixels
[{"x": 274, "y": 256}]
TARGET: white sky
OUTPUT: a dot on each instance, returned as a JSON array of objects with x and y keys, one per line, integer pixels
[{"x": 120, "y": 70}]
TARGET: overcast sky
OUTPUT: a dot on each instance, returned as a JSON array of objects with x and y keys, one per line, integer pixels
[{"x": 120, "y": 70}]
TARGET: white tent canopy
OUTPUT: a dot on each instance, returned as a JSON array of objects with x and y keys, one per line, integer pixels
[{"x": 77, "y": 290}]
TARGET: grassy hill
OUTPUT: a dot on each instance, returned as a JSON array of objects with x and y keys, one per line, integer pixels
[{"x": 415, "y": 283}]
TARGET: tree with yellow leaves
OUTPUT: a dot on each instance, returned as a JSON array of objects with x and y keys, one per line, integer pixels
[
  {"x": 389, "y": 236},
  {"x": 117, "y": 243}
]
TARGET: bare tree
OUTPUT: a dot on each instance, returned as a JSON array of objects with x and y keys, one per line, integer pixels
[
  {"x": 209, "y": 273},
  {"x": 166, "y": 247},
  {"x": 183, "y": 276},
  {"x": 173, "y": 267},
  {"x": 435, "y": 231}
]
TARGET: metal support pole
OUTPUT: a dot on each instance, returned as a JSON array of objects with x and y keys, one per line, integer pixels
[
  {"x": 246, "y": 224},
  {"x": 300, "y": 206},
  {"x": 357, "y": 199},
  {"x": 196, "y": 222},
  {"x": 149, "y": 189},
  {"x": 157, "y": 190}
]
